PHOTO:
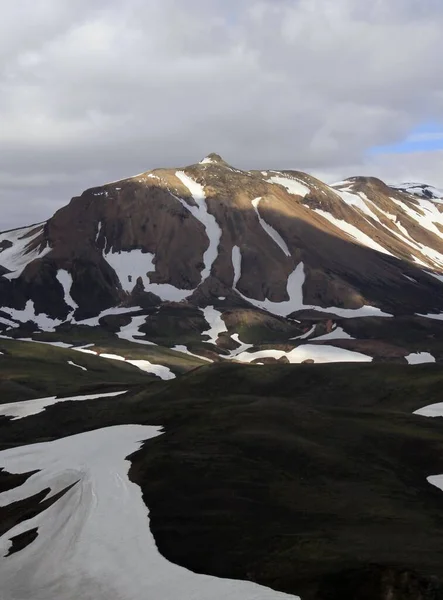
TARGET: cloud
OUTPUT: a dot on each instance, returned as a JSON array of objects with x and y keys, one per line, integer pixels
[{"x": 104, "y": 89}]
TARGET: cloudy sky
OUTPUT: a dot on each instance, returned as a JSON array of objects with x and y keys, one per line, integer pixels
[{"x": 96, "y": 90}]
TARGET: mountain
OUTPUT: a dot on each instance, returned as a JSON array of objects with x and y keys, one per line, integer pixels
[
  {"x": 139, "y": 457},
  {"x": 190, "y": 259},
  {"x": 421, "y": 190}
]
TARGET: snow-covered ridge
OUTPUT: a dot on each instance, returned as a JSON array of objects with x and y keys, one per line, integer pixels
[{"x": 422, "y": 190}]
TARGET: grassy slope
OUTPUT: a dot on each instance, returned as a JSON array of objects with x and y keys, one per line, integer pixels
[
  {"x": 106, "y": 341},
  {"x": 285, "y": 474},
  {"x": 29, "y": 370}
]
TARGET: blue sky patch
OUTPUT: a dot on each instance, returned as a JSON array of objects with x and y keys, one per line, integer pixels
[{"x": 425, "y": 138}]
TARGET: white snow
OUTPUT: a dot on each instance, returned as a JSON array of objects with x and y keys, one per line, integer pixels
[
  {"x": 436, "y": 480},
  {"x": 209, "y": 222},
  {"x": 294, "y": 186},
  {"x": 65, "y": 280},
  {"x": 20, "y": 410},
  {"x": 273, "y": 234},
  {"x": 7, "y": 322},
  {"x": 419, "y": 189},
  {"x": 95, "y": 321},
  {"x": 18, "y": 256},
  {"x": 145, "y": 365},
  {"x": 336, "y": 334},
  {"x": 355, "y": 200},
  {"x": 304, "y": 336},
  {"x": 86, "y": 351},
  {"x": 44, "y": 322},
  {"x": 56, "y": 344},
  {"x": 353, "y": 231},
  {"x": 128, "y": 332},
  {"x": 236, "y": 265},
  {"x": 94, "y": 543},
  {"x": 112, "y": 356},
  {"x": 216, "y": 324},
  {"x": 73, "y": 364},
  {"x": 295, "y": 292},
  {"x": 427, "y": 220},
  {"x": 419, "y": 358},
  {"x": 437, "y": 317},
  {"x": 184, "y": 350},
  {"x": 432, "y": 410},
  {"x": 243, "y": 346},
  {"x": 207, "y": 161},
  {"x": 164, "y": 373},
  {"x": 320, "y": 354},
  {"x": 131, "y": 264}
]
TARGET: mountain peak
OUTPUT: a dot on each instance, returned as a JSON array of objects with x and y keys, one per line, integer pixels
[{"x": 213, "y": 158}]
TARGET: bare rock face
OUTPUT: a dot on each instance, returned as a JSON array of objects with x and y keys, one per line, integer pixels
[{"x": 280, "y": 241}]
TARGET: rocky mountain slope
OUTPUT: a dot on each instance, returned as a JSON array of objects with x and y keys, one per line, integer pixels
[
  {"x": 224, "y": 263},
  {"x": 319, "y": 482}
]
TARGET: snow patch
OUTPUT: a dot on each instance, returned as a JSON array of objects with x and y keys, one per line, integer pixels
[
  {"x": 216, "y": 324},
  {"x": 164, "y": 373},
  {"x": 236, "y": 265},
  {"x": 42, "y": 320},
  {"x": 419, "y": 358},
  {"x": 209, "y": 222},
  {"x": 432, "y": 410},
  {"x": 65, "y": 280},
  {"x": 273, "y": 234},
  {"x": 128, "y": 332},
  {"x": 294, "y": 186},
  {"x": 73, "y": 364},
  {"x": 18, "y": 256},
  {"x": 95, "y": 321},
  {"x": 337, "y": 334},
  {"x": 319, "y": 354},
  {"x": 20, "y": 410},
  {"x": 131, "y": 264},
  {"x": 145, "y": 365},
  {"x": 304, "y": 336},
  {"x": 184, "y": 350},
  {"x": 353, "y": 231},
  {"x": 295, "y": 303}
]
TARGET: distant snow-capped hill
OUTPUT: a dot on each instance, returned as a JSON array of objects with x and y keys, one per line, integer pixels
[{"x": 422, "y": 190}]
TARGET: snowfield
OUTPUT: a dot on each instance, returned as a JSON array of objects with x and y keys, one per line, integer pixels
[
  {"x": 94, "y": 543},
  {"x": 20, "y": 410},
  {"x": 293, "y": 186}
]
